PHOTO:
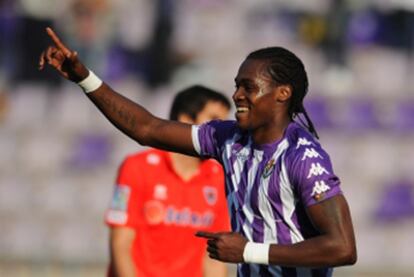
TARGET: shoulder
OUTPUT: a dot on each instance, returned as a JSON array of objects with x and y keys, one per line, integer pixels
[
  {"x": 213, "y": 135},
  {"x": 220, "y": 126},
  {"x": 301, "y": 142}
]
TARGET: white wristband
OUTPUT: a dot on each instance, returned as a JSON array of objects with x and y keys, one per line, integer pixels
[
  {"x": 256, "y": 253},
  {"x": 90, "y": 83}
]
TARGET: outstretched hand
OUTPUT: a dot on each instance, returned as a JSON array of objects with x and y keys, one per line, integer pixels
[
  {"x": 64, "y": 60},
  {"x": 224, "y": 246}
]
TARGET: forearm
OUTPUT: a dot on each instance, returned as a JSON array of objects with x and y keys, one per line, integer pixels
[
  {"x": 213, "y": 268},
  {"x": 129, "y": 117},
  {"x": 121, "y": 241},
  {"x": 140, "y": 125},
  {"x": 319, "y": 251},
  {"x": 122, "y": 264}
]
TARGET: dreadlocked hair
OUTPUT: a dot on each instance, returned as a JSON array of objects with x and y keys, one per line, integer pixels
[{"x": 285, "y": 68}]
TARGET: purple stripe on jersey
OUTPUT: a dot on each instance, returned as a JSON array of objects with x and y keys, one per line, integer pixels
[
  {"x": 283, "y": 232},
  {"x": 237, "y": 218},
  {"x": 264, "y": 271},
  {"x": 258, "y": 226},
  {"x": 234, "y": 221},
  {"x": 274, "y": 194},
  {"x": 322, "y": 272},
  {"x": 243, "y": 270},
  {"x": 258, "y": 222},
  {"x": 242, "y": 186},
  {"x": 238, "y": 196},
  {"x": 289, "y": 272}
]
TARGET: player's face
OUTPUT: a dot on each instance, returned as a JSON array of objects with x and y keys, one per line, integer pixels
[
  {"x": 212, "y": 110},
  {"x": 254, "y": 96}
]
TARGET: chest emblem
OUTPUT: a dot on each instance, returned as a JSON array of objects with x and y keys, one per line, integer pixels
[
  {"x": 210, "y": 195},
  {"x": 269, "y": 168}
]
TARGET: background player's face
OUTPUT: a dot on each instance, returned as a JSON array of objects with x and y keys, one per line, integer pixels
[
  {"x": 255, "y": 95},
  {"x": 212, "y": 110}
]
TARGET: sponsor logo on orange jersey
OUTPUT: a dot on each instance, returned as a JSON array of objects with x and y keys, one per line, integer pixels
[{"x": 155, "y": 212}]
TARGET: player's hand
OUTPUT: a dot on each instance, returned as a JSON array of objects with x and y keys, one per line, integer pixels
[
  {"x": 64, "y": 60},
  {"x": 224, "y": 246}
]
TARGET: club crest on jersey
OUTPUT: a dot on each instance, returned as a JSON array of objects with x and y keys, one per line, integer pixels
[
  {"x": 120, "y": 198},
  {"x": 210, "y": 195},
  {"x": 117, "y": 213},
  {"x": 269, "y": 168}
]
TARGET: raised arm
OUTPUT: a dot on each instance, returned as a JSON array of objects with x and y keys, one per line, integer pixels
[
  {"x": 335, "y": 246},
  {"x": 129, "y": 117}
]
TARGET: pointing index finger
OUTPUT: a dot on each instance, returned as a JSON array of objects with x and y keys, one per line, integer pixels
[
  {"x": 58, "y": 42},
  {"x": 207, "y": 235}
]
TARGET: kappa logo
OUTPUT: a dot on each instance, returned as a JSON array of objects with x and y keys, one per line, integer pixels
[
  {"x": 311, "y": 153},
  {"x": 303, "y": 141},
  {"x": 269, "y": 168},
  {"x": 210, "y": 195},
  {"x": 317, "y": 170},
  {"x": 243, "y": 154},
  {"x": 319, "y": 189}
]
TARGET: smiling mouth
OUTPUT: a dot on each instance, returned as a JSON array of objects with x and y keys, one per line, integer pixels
[{"x": 242, "y": 109}]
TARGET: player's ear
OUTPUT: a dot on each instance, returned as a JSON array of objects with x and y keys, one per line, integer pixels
[
  {"x": 185, "y": 118},
  {"x": 283, "y": 93}
]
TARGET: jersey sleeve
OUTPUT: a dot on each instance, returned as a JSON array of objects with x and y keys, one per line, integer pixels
[
  {"x": 208, "y": 138},
  {"x": 125, "y": 197},
  {"x": 312, "y": 175}
]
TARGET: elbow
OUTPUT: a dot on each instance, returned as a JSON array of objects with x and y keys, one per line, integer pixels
[
  {"x": 353, "y": 257},
  {"x": 143, "y": 137},
  {"x": 347, "y": 255}
]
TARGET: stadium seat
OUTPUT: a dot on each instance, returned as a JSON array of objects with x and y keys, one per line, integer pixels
[
  {"x": 361, "y": 115},
  {"x": 90, "y": 150},
  {"x": 318, "y": 110},
  {"x": 397, "y": 202},
  {"x": 404, "y": 117}
]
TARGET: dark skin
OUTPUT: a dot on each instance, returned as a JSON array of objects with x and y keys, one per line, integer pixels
[{"x": 262, "y": 108}]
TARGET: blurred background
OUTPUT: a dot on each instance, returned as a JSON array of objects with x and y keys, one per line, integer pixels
[{"x": 59, "y": 156}]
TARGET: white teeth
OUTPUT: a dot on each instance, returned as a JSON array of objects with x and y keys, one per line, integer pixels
[{"x": 242, "y": 109}]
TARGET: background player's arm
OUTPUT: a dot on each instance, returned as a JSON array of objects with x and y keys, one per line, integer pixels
[
  {"x": 213, "y": 268},
  {"x": 127, "y": 116},
  {"x": 121, "y": 252},
  {"x": 334, "y": 246}
]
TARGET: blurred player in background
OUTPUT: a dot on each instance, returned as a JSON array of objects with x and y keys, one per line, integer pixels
[
  {"x": 288, "y": 214},
  {"x": 161, "y": 199}
]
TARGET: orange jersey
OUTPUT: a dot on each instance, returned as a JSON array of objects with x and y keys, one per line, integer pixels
[{"x": 166, "y": 211}]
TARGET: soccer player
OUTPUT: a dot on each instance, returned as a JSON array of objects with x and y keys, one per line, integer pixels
[
  {"x": 288, "y": 214},
  {"x": 161, "y": 199}
]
